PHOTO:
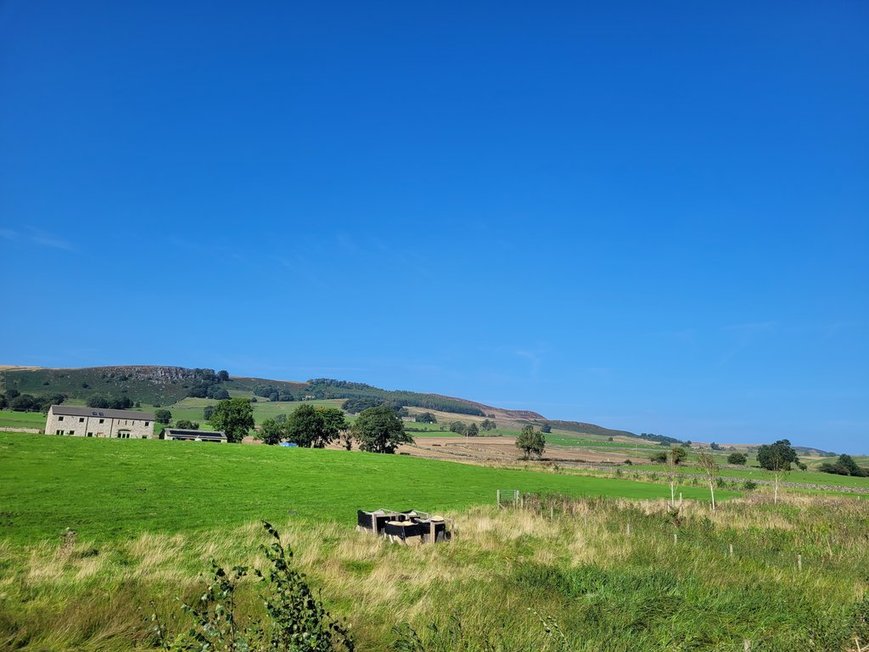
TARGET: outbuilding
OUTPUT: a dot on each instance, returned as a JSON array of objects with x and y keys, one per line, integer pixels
[{"x": 179, "y": 434}]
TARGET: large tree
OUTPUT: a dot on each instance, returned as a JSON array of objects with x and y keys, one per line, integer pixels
[
  {"x": 531, "y": 441},
  {"x": 379, "y": 430},
  {"x": 234, "y": 417},
  {"x": 272, "y": 432},
  {"x": 163, "y": 416},
  {"x": 306, "y": 427},
  {"x": 334, "y": 423},
  {"x": 778, "y": 458}
]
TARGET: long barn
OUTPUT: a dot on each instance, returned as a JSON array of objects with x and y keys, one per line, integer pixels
[{"x": 77, "y": 421}]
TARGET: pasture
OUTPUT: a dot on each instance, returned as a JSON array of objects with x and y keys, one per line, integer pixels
[
  {"x": 105, "y": 488},
  {"x": 595, "y": 564}
]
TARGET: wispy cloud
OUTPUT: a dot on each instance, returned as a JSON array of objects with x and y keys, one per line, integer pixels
[{"x": 37, "y": 237}]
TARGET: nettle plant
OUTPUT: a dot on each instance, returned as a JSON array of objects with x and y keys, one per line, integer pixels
[{"x": 296, "y": 619}]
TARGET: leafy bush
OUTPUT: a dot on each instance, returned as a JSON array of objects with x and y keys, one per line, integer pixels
[
  {"x": 739, "y": 459},
  {"x": 845, "y": 465},
  {"x": 458, "y": 427},
  {"x": 295, "y": 619}
]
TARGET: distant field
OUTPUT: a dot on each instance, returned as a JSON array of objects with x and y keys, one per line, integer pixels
[
  {"x": 805, "y": 477},
  {"x": 191, "y": 408},
  {"x": 107, "y": 488},
  {"x": 11, "y": 419}
]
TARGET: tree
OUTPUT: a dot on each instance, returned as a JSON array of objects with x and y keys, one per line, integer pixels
[
  {"x": 98, "y": 401},
  {"x": 234, "y": 417},
  {"x": 220, "y": 394},
  {"x": 739, "y": 459},
  {"x": 186, "y": 424},
  {"x": 845, "y": 465},
  {"x": 357, "y": 405},
  {"x": 121, "y": 403},
  {"x": 488, "y": 424},
  {"x": 546, "y": 428},
  {"x": 163, "y": 416},
  {"x": 425, "y": 417},
  {"x": 272, "y": 432},
  {"x": 715, "y": 447},
  {"x": 223, "y": 375},
  {"x": 333, "y": 421},
  {"x": 379, "y": 430},
  {"x": 458, "y": 427},
  {"x": 530, "y": 441},
  {"x": 777, "y": 457},
  {"x": 710, "y": 468},
  {"x": 678, "y": 455},
  {"x": 207, "y": 411},
  {"x": 306, "y": 427},
  {"x": 472, "y": 430},
  {"x": 660, "y": 458},
  {"x": 24, "y": 403}
]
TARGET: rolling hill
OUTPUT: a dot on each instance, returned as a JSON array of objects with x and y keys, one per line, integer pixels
[{"x": 167, "y": 385}]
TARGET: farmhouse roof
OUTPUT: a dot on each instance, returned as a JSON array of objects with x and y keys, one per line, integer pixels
[{"x": 78, "y": 411}]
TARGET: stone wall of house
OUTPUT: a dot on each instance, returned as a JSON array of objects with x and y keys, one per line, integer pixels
[{"x": 90, "y": 426}]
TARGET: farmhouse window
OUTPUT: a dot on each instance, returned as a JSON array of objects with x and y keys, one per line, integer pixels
[
  {"x": 81, "y": 419},
  {"x": 58, "y": 432},
  {"x": 72, "y": 432},
  {"x": 90, "y": 434},
  {"x": 60, "y": 418},
  {"x": 147, "y": 422},
  {"x": 101, "y": 420}
]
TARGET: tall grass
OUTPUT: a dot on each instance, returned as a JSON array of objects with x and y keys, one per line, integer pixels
[{"x": 560, "y": 574}]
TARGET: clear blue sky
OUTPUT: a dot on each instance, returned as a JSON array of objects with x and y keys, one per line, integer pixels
[{"x": 653, "y": 216}]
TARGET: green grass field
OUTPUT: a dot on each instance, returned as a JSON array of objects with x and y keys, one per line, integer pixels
[
  {"x": 12, "y": 419},
  {"x": 757, "y": 473},
  {"x": 191, "y": 408},
  {"x": 107, "y": 488},
  {"x": 592, "y": 566}
]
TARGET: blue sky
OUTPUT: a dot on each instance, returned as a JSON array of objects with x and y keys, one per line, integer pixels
[{"x": 653, "y": 216}]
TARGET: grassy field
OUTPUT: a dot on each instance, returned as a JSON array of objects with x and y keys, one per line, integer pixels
[
  {"x": 191, "y": 408},
  {"x": 12, "y": 419},
  {"x": 105, "y": 488},
  {"x": 757, "y": 473},
  {"x": 588, "y": 573}
]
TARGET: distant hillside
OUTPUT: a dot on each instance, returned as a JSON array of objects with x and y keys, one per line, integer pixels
[
  {"x": 162, "y": 385},
  {"x": 589, "y": 429}
]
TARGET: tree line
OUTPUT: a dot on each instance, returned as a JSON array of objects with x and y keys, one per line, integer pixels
[{"x": 324, "y": 388}]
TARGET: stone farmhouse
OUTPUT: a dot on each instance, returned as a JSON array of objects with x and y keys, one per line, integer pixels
[{"x": 97, "y": 422}]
